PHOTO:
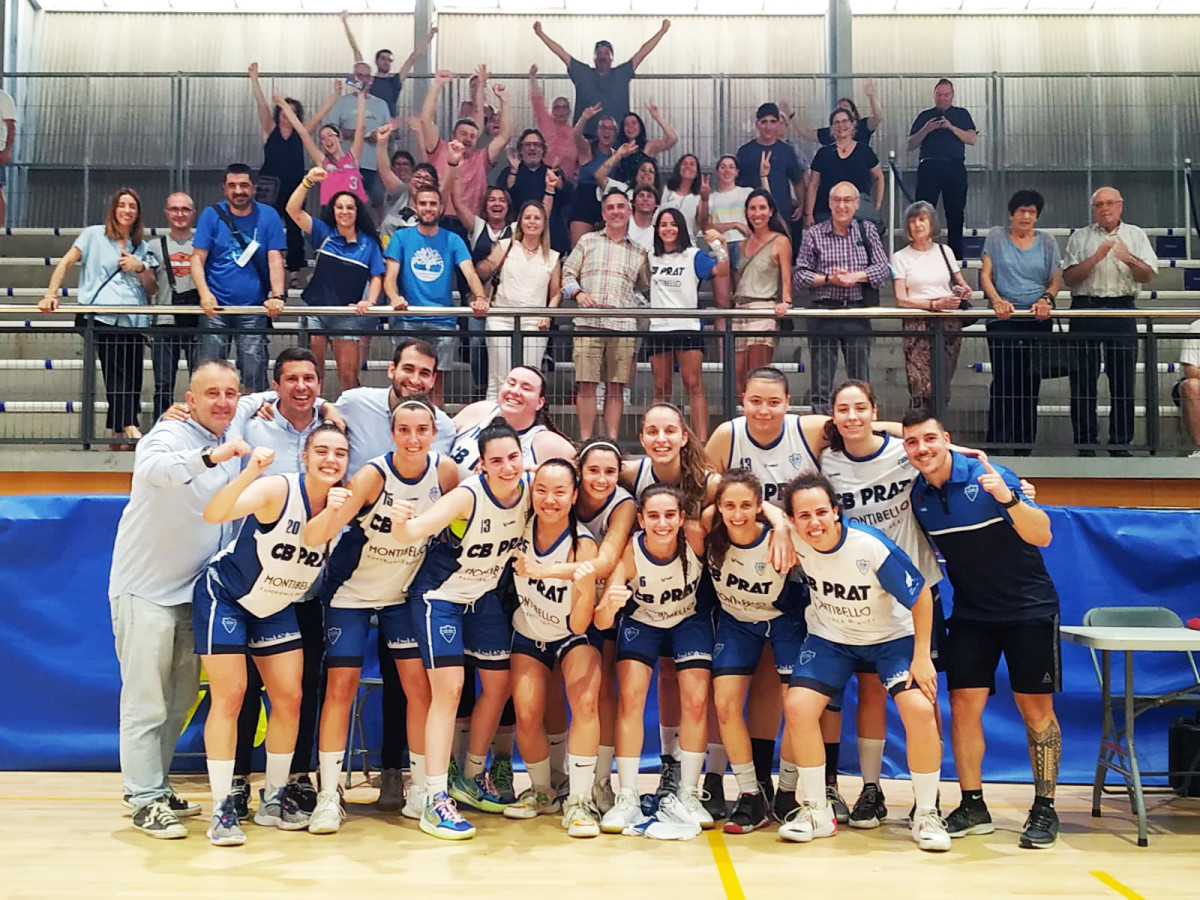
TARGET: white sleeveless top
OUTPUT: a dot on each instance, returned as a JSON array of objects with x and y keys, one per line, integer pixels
[
  {"x": 773, "y": 464},
  {"x": 267, "y": 566},
  {"x": 877, "y": 491},
  {"x": 368, "y": 568},
  {"x": 747, "y": 584},
  {"x": 545, "y": 603},
  {"x": 465, "y": 449},
  {"x": 494, "y": 534},
  {"x": 674, "y": 284},
  {"x": 525, "y": 280},
  {"x": 662, "y": 596}
]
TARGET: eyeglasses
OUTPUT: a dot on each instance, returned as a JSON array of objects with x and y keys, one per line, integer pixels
[{"x": 180, "y": 209}]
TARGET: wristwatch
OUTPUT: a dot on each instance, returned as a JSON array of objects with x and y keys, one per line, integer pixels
[
  {"x": 206, "y": 458},
  {"x": 1011, "y": 503}
]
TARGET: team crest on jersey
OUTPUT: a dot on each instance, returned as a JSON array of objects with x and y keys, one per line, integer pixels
[
  {"x": 229, "y": 623},
  {"x": 434, "y": 493},
  {"x": 717, "y": 648},
  {"x": 631, "y": 633},
  {"x": 807, "y": 656},
  {"x": 448, "y": 632},
  {"x": 903, "y": 461},
  {"x": 863, "y": 565},
  {"x": 760, "y": 567},
  {"x": 796, "y": 460},
  {"x": 972, "y": 491},
  {"x": 333, "y": 634}
]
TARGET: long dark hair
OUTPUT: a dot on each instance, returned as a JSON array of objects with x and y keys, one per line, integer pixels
[
  {"x": 682, "y": 242},
  {"x": 716, "y": 545},
  {"x": 656, "y": 490},
  {"x": 833, "y": 437},
  {"x": 600, "y": 444},
  {"x": 362, "y": 216},
  {"x": 137, "y": 229},
  {"x": 543, "y": 417},
  {"x": 774, "y": 223},
  {"x": 676, "y": 179},
  {"x": 693, "y": 464},
  {"x": 297, "y": 108},
  {"x": 641, "y": 138},
  {"x": 572, "y": 519}
]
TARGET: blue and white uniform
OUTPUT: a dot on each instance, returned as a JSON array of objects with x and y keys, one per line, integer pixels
[
  {"x": 597, "y": 526},
  {"x": 752, "y": 597},
  {"x": 465, "y": 450},
  {"x": 456, "y": 608},
  {"x": 776, "y": 463},
  {"x": 541, "y": 626},
  {"x": 244, "y": 596},
  {"x": 663, "y": 618},
  {"x": 862, "y": 594},
  {"x": 369, "y": 572}
]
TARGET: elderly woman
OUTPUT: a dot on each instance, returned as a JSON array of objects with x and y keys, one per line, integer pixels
[
  {"x": 926, "y": 276},
  {"x": 1021, "y": 272}
]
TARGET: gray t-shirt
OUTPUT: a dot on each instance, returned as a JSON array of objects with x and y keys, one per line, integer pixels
[
  {"x": 179, "y": 260},
  {"x": 611, "y": 91},
  {"x": 345, "y": 114}
]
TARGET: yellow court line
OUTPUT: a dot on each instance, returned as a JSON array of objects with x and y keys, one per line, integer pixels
[
  {"x": 1108, "y": 881},
  {"x": 729, "y": 879}
]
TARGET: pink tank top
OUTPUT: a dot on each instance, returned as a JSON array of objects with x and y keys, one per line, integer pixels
[{"x": 344, "y": 175}]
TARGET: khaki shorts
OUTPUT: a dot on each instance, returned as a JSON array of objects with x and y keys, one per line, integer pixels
[
  {"x": 603, "y": 359},
  {"x": 755, "y": 324}
]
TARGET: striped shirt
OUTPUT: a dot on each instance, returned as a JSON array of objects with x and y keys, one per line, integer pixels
[
  {"x": 609, "y": 271},
  {"x": 822, "y": 250}
]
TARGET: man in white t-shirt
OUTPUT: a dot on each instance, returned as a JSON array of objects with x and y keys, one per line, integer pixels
[
  {"x": 1187, "y": 391},
  {"x": 8, "y": 115}
]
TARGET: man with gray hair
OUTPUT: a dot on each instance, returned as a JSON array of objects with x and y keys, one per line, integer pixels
[
  {"x": 1105, "y": 266},
  {"x": 842, "y": 261}
]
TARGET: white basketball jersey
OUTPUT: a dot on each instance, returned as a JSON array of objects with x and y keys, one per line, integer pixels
[
  {"x": 266, "y": 567},
  {"x": 747, "y": 584},
  {"x": 877, "y": 491},
  {"x": 368, "y": 567},
  {"x": 773, "y": 464},
  {"x": 493, "y": 535},
  {"x": 545, "y": 603},
  {"x": 597, "y": 525},
  {"x": 465, "y": 449},
  {"x": 862, "y": 591},
  {"x": 663, "y": 597},
  {"x": 674, "y": 285}
]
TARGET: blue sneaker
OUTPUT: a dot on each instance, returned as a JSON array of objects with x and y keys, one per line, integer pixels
[
  {"x": 441, "y": 819},
  {"x": 226, "y": 830},
  {"x": 282, "y": 810},
  {"x": 478, "y": 793}
]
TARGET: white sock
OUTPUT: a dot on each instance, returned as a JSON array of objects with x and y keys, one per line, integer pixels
[
  {"x": 435, "y": 784},
  {"x": 329, "y": 764},
  {"x": 716, "y": 759},
  {"x": 220, "y": 780},
  {"x": 474, "y": 765},
  {"x": 502, "y": 743},
  {"x": 604, "y": 763},
  {"x": 416, "y": 768},
  {"x": 581, "y": 770},
  {"x": 788, "y": 775},
  {"x": 870, "y": 759},
  {"x": 746, "y": 780},
  {"x": 627, "y": 772},
  {"x": 812, "y": 780},
  {"x": 925, "y": 788},
  {"x": 278, "y": 766},
  {"x": 668, "y": 738},
  {"x": 689, "y": 769},
  {"x": 462, "y": 731},
  {"x": 558, "y": 751},
  {"x": 539, "y": 775}
]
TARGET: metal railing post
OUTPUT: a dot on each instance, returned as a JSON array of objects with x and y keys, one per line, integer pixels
[
  {"x": 87, "y": 151},
  {"x": 1187, "y": 220},
  {"x": 891, "y": 203},
  {"x": 87, "y": 427},
  {"x": 1179, "y": 189},
  {"x": 1153, "y": 436},
  {"x": 729, "y": 371},
  {"x": 939, "y": 378},
  {"x": 518, "y": 345}
]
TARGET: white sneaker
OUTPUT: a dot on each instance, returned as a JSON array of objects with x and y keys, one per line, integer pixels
[
  {"x": 328, "y": 815},
  {"x": 532, "y": 804},
  {"x": 929, "y": 831},
  {"x": 580, "y": 819},
  {"x": 627, "y": 395},
  {"x": 1195, "y": 454},
  {"x": 603, "y": 797},
  {"x": 689, "y": 798},
  {"x": 626, "y": 810},
  {"x": 672, "y": 810},
  {"x": 414, "y": 802},
  {"x": 806, "y": 822}
]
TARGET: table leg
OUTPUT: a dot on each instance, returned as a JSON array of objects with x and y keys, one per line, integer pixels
[
  {"x": 1106, "y": 730},
  {"x": 1139, "y": 800}
]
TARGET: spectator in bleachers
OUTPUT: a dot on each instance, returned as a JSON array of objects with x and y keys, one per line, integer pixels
[
  {"x": 1187, "y": 390},
  {"x": 603, "y": 84},
  {"x": 764, "y": 282},
  {"x": 727, "y": 216},
  {"x": 641, "y": 223},
  {"x": 1021, "y": 271},
  {"x": 604, "y": 270},
  {"x": 386, "y": 84},
  {"x": 400, "y": 213},
  {"x": 488, "y": 225},
  {"x": 555, "y": 125},
  {"x": 343, "y": 167},
  {"x": 238, "y": 261},
  {"x": 478, "y": 160},
  {"x": 584, "y": 213},
  {"x": 785, "y": 172},
  {"x": 943, "y": 132},
  {"x": 837, "y": 259},
  {"x": 396, "y": 174},
  {"x": 348, "y": 272},
  {"x": 344, "y": 116},
  {"x": 634, "y": 131},
  {"x": 688, "y": 191},
  {"x": 118, "y": 270},
  {"x": 645, "y": 173},
  {"x": 525, "y": 179},
  {"x": 1105, "y": 266},
  {"x": 283, "y": 160},
  {"x": 846, "y": 159},
  {"x": 864, "y": 127},
  {"x": 926, "y": 276},
  {"x": 8, "y": 129},
  {"x": 176, "y": 334}
]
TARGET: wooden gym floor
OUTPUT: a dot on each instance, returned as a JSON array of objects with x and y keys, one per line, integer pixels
[{"x": 64, "y": 835}]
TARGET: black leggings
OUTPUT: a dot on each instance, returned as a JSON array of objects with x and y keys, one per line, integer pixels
[{"x": 120, "y": 353}]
